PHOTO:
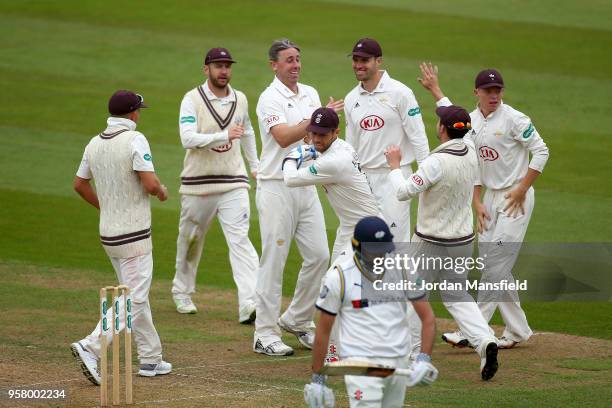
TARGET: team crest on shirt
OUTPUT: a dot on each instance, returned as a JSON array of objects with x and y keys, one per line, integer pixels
[
  {"x": 487, "y": 153},
  {"x": 371, "y": 123},
  {"x": 222, "y": 149},
  {"x": 498, "y": 133},
  {"x": 383, "y": 99}
]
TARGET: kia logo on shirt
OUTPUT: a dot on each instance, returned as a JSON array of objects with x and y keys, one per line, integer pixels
[
  {"x": 372, "y": 122},
  {"x": 488, "y": 153}
]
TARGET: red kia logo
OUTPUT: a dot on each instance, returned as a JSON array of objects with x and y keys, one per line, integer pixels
[
  {"x": 222, "y": 149},
  {"x": 488, "y": 153},
  {"x": 372, "y": 122},
  {"x": 417, "y": 180}
]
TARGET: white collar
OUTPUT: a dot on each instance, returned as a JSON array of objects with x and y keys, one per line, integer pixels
[
  {"x": 380, "y": 87},
  {"x": 284, "y": 89},
  {"x": 499, "y": 108},
  {"x": 450, "y": 143},
  {"x": 113, "y": 121},
  {"x": 210, "y": 95}
]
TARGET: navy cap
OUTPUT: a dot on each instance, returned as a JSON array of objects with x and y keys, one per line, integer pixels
[
  {"x": 218, "y": 55},
  {"x": 375, "y": 233},
  {"x": 454, "y": 117},
  {"x": 367, "y": 47},
  {"x": 123, "y": 102},
  {"x": 488, "y": 78},
  {"x": 323, "y": 120}
]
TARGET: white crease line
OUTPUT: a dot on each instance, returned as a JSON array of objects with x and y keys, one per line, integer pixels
[
  {"x": 176, "y": 369},
  {"x": 239, "y": 382},
  {"x": 205, "y": 396},
  {"x": 271, "y": 360}
]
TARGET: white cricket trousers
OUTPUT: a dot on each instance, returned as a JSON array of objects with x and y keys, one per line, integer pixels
[
  {"x": 460, "y": 304},
  {"x": 197, "y": 213},
  {"x": 375, "y": 392},
  {"x": 136, "y": 273},
  {"x": 503, "y": 229},
  {"x": 286, "y": 213}
]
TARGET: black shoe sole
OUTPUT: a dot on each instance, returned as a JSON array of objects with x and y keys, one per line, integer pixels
[
  {"x": 462, "y": 344},
  {"x": 491, "y": 364},
  {"x": 84, "y": 369},
  {"x": 251, "y": 318}
]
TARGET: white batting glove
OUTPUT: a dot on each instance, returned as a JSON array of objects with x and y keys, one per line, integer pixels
[
  {"x": 423, "y": 373},
  {"x": 317, "y": 394}
]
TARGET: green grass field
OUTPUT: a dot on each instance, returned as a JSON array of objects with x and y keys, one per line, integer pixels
[{"x": 62, "y": 60}]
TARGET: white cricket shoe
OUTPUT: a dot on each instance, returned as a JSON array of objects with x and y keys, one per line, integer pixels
[
  {"x": 151, "y": 370},
  {"x": 185, "y": 306},
  {"x": 277, "y": 348},
  {"x": 305, "y": 337},
  {"x": 456, "y": 339},
  {"x": 332, "y": 354},
  {"x": 488, "y": 360},
  {"x": 247, "y": 315},
  {"x": 505, "y": 343},
  {"x": 88, "y": 362}
]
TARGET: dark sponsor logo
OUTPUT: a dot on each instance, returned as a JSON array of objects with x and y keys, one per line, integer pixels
[
  {"x": 372, "y": 122},
  {"x": 222, "y": 149},
  {"x": 488, "y": 153}
]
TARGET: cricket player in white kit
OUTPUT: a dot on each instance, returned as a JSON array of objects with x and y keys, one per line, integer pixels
[
  {"x": 283, "y": 112},
  {"x": 504, "y": 138},
  {"x": 214, "y": 123},
  {"x": 372, "y": 331},
  {"x": 444, "y": 183},
  {"x": 381, "y": 111},
  {"x": 119, "y": 159},
  {"x": 338, "y": 171}
]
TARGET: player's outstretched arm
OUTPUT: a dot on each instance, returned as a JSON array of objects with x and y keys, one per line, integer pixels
[
  {"x": 85, "y": 190},
  {"x": 429, "y": 79}
]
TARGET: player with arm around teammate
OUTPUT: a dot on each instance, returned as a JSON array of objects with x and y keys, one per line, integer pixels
[
  {"x": 504, "y": 138},
  {"x": 119, "y": 160},
  {"x": 336, "y": 168},
  {"x": 444, "y": 228},
  {"x": 375, "y": 332},
  {"x": 283, "y": 112}
]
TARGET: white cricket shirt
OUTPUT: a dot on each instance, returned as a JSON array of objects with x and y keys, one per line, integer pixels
[
  {"x": 503, "y": 141},
  {"x": 389, "y": 115},
  {"x": 277, "y": 105},
  {"x": 366, "y": 328},
  {"x": 338, "y": 171}
]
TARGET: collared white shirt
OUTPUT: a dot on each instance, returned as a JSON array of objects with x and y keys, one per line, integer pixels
[
  {"x": 277, "y": 105},
  {"x": 367, "y": 328},
  {"x": 503, "y": 141},
  {"x": 389, "y": 115},
  {"x": 338, "y": 171},
  {"x": 188, "y": 126},
  {"x": 141, "y": 151}
]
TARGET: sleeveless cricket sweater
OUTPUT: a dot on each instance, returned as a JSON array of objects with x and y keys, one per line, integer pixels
[
  {"x": 219, "y": 169},
  {"x": 445, "y": 209},
  {"x": 125, "y": 211}
]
